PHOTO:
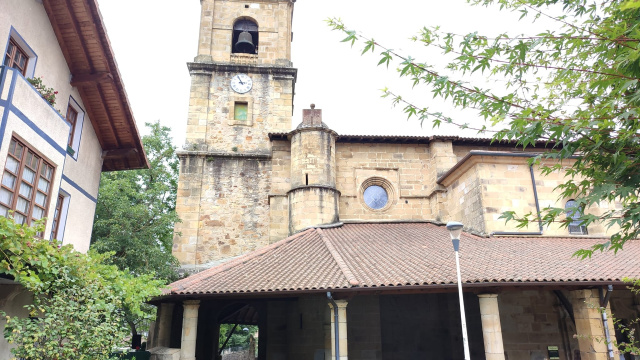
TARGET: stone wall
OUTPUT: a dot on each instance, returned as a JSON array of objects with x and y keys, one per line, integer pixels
[
  {"x": 223, "y": 205},
  {"x": 404, "y": 168},
  {"x": 428, "y": 326},
  {"x": 210, "y": 124},
  {"x": 280, "y": 185},
  {"x": 464, "y": 201},
  {"x": 532, "y": 321},
  {"x": 297, "y": 329},
  {"x": 485, "y": 186},
  {"x": 239, "y": 355},
  {"x": 364, "y": 328}
]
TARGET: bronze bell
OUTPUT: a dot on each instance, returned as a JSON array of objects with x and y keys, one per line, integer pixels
[{"x": 245, "y": 43}]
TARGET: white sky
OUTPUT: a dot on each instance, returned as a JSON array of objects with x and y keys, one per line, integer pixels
[{"x": 153, "y": 41}]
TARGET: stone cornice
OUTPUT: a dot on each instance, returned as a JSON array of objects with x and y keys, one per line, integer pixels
[
  {"x": 312, "y": 128},
  {"x": 211, "y": 67},
  {"x": 323, "y": 187},
  {"x": 223, "y": 155},
  {"x": 491, "y": 157}
]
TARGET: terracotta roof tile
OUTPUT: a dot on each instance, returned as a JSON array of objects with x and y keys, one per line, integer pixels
[
  {"x": 300, "y": 262},
  {"x": 406, "y": 254}
]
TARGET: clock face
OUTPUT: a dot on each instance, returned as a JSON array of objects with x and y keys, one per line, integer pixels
[{"x": 241, "y": 83}]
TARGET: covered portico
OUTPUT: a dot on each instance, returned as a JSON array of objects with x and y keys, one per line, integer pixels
[{"x": 393, "y": 286}]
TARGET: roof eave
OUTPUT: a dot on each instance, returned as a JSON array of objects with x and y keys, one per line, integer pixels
[
  {"x": 122, "y": 143},
  {"x": 477, "y": 287}
]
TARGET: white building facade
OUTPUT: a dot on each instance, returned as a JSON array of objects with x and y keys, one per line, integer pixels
[{"x": 52, "y": 152}]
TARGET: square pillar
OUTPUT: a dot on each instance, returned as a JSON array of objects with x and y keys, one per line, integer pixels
[
  {"x": 589, "y": 325},
  {"x": 342, "y": 329},
  {"x": 189, "y": 330},
  {"x": 491, "y": 327}
]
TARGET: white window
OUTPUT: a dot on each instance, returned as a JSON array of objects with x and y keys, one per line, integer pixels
[
  {"x": 60, "y": 216},
  {"x": 574, "y": 213}
]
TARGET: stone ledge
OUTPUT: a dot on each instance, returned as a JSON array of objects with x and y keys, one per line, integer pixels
[
  {"x": 304, "y": 187},
  {"x": 163, "y": 353},
  {"x": 224, "y": 155},
  {"x": 211, "y": 67}
]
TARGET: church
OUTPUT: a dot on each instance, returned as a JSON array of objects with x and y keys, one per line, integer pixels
[{"x": 334, "y": 245}]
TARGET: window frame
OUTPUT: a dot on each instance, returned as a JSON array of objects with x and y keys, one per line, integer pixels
[
  {"x": 73, "y": 120},
  {"x": 60, "y": 218},
  {"x": 19, "y": 179},
  {"x": 32, "y": 57},
  {"x": 231, "y": 104},
  {"x": 575, "y": 227},
  {"x": 10, "y": 54},
  {"x": 57, "y": 214},
  {"x": 241, "y": 108},
  {"x": 75, "y": 130}
]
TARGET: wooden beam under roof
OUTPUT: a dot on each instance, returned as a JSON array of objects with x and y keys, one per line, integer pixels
[
  {"x": 91, "y": 79},
  {"x": 80, "y": 31}
]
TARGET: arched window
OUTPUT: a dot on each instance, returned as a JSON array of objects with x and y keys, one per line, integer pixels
[
  {"x": 245, "y": 37},
  {"x": 574, "y": 213}
]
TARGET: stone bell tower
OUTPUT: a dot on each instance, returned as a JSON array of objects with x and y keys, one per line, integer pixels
[{"x": 242, "y": 88}]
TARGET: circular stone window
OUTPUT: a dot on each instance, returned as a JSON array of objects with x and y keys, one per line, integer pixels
[
  {"x": 375, "y": 197},
  {"x": 377, "y": 194}
]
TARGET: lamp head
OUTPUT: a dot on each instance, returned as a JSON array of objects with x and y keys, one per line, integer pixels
[{"x": 455, "y": 229}]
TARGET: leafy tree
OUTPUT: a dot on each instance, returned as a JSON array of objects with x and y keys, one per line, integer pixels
[
  {"x": 241, "y": 336},
  {"x": 78, "y": 300},
  {"x": 575, "y": 88},
  {"x": 135, "y": 213}
]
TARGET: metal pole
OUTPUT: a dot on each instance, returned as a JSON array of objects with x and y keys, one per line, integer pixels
[{"x": 465, "y": 339}]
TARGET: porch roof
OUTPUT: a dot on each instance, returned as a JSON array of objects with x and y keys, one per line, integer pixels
[{"x": 407, "y": 255}]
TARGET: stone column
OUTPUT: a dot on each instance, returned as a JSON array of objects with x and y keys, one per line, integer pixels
[
  {"x": 589, "y": 326},
  {"x": 342, "y": 328},
  {"x": 491, "y": 328},
  {"x": 189, "y": 330},
  {"x": 163, "y": 338}
]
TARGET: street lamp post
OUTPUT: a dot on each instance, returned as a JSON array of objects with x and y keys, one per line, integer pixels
[{"x": 455, "y": 229}]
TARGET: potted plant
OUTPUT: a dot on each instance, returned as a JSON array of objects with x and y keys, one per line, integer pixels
[{"x": 47, "y": 93}]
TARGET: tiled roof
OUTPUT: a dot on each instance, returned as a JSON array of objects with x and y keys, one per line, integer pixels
[
  {"x": 388, "y": 255},
  {"x": 412, "y": 139}
]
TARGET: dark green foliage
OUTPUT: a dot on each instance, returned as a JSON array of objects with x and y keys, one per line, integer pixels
[
  {"x": 240, "y": 337},
  {"x": 135, "y": 213},
  {"x": 79, "y": 302}
]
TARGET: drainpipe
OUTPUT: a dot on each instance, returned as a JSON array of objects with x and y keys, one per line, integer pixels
[
  {"x": 335, "y": 321},
  {"x": 535, "y": 196},
  {"x": 605, "y": 322}
]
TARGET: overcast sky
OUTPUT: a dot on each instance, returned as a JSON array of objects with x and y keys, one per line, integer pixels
[{"x": 153, "y": 41}]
